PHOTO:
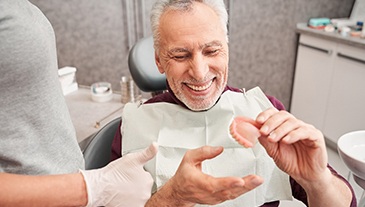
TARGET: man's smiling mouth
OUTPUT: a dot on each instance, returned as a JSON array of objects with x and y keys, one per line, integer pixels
[{"x": 200, "y": 87}]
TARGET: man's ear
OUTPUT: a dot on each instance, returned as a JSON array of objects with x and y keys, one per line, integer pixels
[{"x": 158, "y": 63}]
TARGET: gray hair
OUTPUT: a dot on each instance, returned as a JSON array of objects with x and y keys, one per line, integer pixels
[{"x": 184, "y": 5}]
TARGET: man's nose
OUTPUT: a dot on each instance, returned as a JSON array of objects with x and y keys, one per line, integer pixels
[{"x": 199, "y": 67}]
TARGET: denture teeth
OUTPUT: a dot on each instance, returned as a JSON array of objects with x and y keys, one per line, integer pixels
[{"x": 200, "y": 88}]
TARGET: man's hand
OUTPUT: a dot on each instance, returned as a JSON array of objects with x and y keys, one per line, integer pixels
[
  {"x": 297, "y": 148},
  {"x": 190, "y": 185}
]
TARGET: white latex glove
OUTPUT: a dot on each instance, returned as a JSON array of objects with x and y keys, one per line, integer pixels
[{"x": 122, "y": 182}]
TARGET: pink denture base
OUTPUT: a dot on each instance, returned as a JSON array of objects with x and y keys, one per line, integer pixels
[{"x": 245, "y": 131}]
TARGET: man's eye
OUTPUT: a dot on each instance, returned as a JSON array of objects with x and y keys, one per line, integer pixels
[
  {"x": 211, "y": 52},
  {"x": 180, "y": 57}
]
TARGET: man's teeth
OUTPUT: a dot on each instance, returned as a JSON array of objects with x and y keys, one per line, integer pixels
[{"x": 200, "y": 88}]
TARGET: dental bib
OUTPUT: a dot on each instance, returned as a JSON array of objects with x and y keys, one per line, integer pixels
[{"x": 177, "y": 129}]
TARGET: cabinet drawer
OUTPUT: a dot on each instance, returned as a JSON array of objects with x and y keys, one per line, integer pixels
[
  {"x": 318, "y": 44},
  {"x": 353, "y": 54}
]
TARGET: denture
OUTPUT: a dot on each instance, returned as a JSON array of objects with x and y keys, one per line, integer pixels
[{"x": 245, "y": 131}]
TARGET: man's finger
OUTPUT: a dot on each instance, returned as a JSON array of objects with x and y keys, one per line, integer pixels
[
  {"x": 252, "y": 181},
  {"x": 202, "y": 153},
  {"x": 246, "y": 183}
]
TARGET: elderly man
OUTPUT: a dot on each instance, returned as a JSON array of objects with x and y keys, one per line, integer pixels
[{"x": 191, "y": 125}]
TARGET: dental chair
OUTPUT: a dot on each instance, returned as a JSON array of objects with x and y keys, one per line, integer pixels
[
  {"x": 142, "y": 66},
  {"x": 98, "y": 151},
  {"x": 143, "y": 69}
]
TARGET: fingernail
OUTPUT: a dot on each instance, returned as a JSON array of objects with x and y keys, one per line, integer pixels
[
  {"x": 217, "y": 149},
  {"x": 260, "y": 119},
  {"x": 272, "y": 135},
  {"x": 238, "y": 184},
  {"x": 287, "y": 139},
  {"x": 257, "y": 181},
  {"x": 265, "y": 129}
]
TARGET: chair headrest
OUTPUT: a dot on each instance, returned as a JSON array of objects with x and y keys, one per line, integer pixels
[{"x": 142, "y": 66}]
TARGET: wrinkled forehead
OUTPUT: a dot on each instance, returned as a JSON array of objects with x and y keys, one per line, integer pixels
[{"x": 200, "y": 26}]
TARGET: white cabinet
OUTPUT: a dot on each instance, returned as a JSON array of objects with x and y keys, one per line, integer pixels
[
  {"x": 346, "y": 102},
  {"x": 312, "y": 80},
  {"x": 329, "y": 86}
]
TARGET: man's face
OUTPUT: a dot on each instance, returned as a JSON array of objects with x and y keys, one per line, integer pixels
[{"x": 193, "y": 54}]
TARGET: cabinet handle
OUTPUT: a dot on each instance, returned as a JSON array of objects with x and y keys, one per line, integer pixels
[
  {"x": 350, "y": 58},
  {"x": 329, "y": 52}
]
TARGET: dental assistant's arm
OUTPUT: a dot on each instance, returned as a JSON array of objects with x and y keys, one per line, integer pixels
[
  {"x": 50, "y": 190},
  {"x": 122, "y": 183}
]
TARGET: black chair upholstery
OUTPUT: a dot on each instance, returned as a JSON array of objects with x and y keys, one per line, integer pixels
[
  {"x": 142, "y": 66},
  {"x": 98, "y": 151}
]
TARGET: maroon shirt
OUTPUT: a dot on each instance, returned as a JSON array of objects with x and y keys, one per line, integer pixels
[{"x": 297, "y": 191}]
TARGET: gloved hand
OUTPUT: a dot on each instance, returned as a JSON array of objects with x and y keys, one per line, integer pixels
[{"x": 122, "y": 182}]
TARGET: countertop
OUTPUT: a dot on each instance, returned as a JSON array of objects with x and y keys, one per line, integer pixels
[
  {"x": 302, "y": 28},
  {"x": 85, "y": 113}
]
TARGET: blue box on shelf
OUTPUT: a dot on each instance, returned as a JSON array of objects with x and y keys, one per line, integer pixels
[{"x": 317, "y": 22}]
